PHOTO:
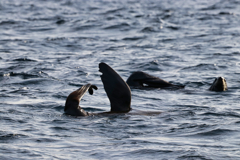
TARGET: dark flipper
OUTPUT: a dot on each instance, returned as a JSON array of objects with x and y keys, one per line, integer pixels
[
  {"x": 117, "y": 90},
  {"x": 90, "y": 90},
  {"x": 72, "y": 103},
  {"x": 141, "y": 79},
  {"x": 219, "y": 84}
]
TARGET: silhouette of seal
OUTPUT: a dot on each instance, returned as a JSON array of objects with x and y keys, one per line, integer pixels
[
  {"x": 219, "y": 84},
  {"x": 143, "y": 80},
  {"x": 118, "y": 92}
]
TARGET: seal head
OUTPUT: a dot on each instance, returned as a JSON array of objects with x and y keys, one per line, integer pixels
[
  {"x": 219, "y": 84},
  {"x": 72, "y": 103}
]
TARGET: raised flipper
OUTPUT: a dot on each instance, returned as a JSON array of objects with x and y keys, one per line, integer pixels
[
  {"x": 72, "y": 103},
  {"x": 116, "y": 88},
  {"x": 142, "y": 79},
  {"x": 219, "y": 84}
]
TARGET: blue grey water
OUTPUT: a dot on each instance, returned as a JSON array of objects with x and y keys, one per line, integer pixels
[{"x": 49, "y": 48}]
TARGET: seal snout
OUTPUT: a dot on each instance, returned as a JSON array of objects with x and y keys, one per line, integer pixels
[{"x": 221, "y": 78}]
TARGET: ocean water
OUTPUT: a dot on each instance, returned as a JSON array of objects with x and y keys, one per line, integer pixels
[{"x": 49, "y": 48}]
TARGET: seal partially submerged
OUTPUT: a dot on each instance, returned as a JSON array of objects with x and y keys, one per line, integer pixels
[
  {"x": 117, "y": 90},
  {"x": 219, "y": 84},
  {"x": 72, "y": 103},
  {"x": 141, "y": 79}
]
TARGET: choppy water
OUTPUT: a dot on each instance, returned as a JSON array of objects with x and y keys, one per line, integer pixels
[{"x": 50, "y": 48}]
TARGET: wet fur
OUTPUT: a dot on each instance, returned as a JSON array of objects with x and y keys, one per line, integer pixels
[
  {"x": 143, "y": 80},
  {"x": 219, "y": 84}
]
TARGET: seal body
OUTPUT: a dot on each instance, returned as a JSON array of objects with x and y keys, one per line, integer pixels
[
  {"x": 118, "y": 92},
  {"x": 219, "y": 84},
  {"x": 143, "y": 80}
]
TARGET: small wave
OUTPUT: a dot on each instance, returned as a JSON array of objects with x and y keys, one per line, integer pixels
[
  {"x": 139, "y": 16},
  {"x": 152, "y": 65},
  {"x": 85, "y": 27},
  {"x": 225, "y": 114},
  {"x": 133, "y": 38},
  {"x": 193, "y": 156},
  {"x": 235, "y": 53},
  {"x": 117, "y": 26},
  {"x": 91, "y": 8},
  {"x": 75, "y": 84},
  {"x": 34, "y": 81},
  {"x": 149, "y": 151},
  {"x": 10, "y": 22},
  {"x": 167, "y": 40},
  {"x": 114, "y": 48},
  {"x": 195, "y": 84},
  {"x": 224, "y": 47},
  {"x": 200, "y": 35},
  {"x": 22, "y": 75},
  {"x": 60, "y": 107},
  {"x": 24, "y": 60},
  {"x": 41, "y": 29},
  {"x": 212, "y": 7},
  {"x": 216, "y": 132},
  {"x": 60, "y": 128},
  {"x": 113, "y": 11},
  {"x": 201, "y": 67},
  {"x": 45, "y": 140},
  {"x": 10, "y": 136},
  {"x": 173, "y": 27},
  {"x": 148, "y": 30},
  {"x": 221, "y": 5},
  {"x": 55, "y": 38},
  {"x": 225, "y": 13},
  {"x": 60, "y": 21}
]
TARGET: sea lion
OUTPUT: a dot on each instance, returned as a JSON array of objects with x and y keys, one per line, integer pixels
[
  {"x": 117, "y": 90},
  {"x": 143, "y": 80},
  {"x": 72, "y": 103},
  {"x": 219, "y": 84}
]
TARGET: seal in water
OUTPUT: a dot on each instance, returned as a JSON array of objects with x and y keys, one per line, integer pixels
[
  {"x": 117, "y": 90},
  {"x": 219, "y": 84},
  {"x": 72, "y": 103},
  {"x": 143, "y": 80}
]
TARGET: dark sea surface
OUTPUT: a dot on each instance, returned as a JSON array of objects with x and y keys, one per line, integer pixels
[{"x": 49, "y": 48}]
